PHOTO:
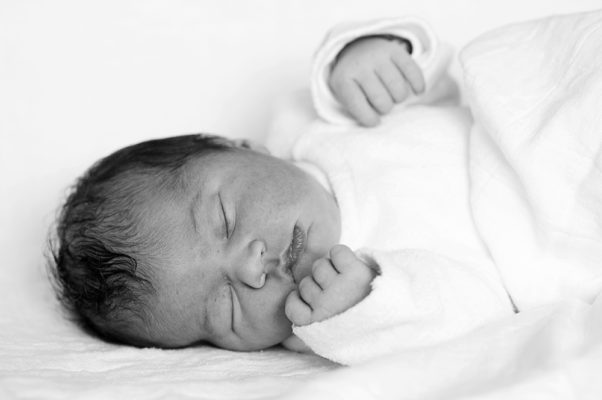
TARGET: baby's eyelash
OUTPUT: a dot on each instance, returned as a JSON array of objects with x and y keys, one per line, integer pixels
[{"x": 225, "y": 217}]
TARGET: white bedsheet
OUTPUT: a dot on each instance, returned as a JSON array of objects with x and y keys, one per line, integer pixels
[
  {"x": 79, "y": 80},
  {"x": 42, "y": 357}
]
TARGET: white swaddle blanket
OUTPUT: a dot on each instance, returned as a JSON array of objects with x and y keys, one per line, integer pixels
[
  {"x": 533, "y": 193},
  {"x": 535, "y": 90}
]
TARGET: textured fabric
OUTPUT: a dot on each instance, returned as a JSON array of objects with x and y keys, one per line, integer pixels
[
  {"x": 402, "y": 189},
  {"x": 534, "y": 192},
  {"x": 536, "y": 155}
]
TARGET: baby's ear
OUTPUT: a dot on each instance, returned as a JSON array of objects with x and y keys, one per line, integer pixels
[{"x": 251, "y": 145}]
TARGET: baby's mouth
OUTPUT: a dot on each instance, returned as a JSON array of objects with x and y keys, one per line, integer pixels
[{"x": 294, "y": 251}]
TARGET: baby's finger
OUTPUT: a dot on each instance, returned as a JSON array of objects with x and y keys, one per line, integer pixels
[
  {"x": 309, "y": 291},
  {"x": 354, "y": 99},
  {"x": 412, "y": 72},
  {"x": 323, "y": 272},
  {"x": 377, "y": 94},
  {"x": 394, "y": 82},
  {"x": 343, "y": 258},
  {"x": 296, "y": 310}
]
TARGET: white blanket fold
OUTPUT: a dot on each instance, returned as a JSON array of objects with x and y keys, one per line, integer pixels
[{"x": 535, "y": 90}]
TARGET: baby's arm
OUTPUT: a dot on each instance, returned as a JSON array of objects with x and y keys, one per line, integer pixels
[
  {"x": 427, "y": 57},
  {"x": 373, "y": 73},
  {"x": 335, "y": 285}
]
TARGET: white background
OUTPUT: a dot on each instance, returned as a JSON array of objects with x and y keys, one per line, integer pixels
[{"x": 79, "y": 79}]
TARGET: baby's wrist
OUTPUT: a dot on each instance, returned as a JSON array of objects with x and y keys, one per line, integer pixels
[
  {"x": 392, "y": 38},
  {"x": 385, "y": 37}
]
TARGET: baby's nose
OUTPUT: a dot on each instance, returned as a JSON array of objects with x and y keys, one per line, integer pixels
[{"x": 251, "y": 269}]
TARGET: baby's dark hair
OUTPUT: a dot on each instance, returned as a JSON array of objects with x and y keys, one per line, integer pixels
[{"x": 99, "y": 264}]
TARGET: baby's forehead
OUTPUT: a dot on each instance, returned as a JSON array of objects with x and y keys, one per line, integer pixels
[{"x": 237, "y": 165}]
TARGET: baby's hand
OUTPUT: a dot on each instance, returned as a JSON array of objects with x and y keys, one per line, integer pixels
[
  {"x": 335, "y": 285},
  {"x": 371, "y": 74}
]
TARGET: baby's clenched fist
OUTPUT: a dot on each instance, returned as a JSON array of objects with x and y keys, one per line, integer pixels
[
  {"x": 371, "y": 75},
  {"x": 335, "y": 285}
]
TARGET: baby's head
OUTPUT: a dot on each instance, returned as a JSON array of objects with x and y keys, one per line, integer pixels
[{"x": 190, "y": 239}]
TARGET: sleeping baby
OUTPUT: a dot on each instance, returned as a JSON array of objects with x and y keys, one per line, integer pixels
[{"x": 200, "y": 239}]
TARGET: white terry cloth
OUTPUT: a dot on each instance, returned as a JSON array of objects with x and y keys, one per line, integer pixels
[
  {"x": 420, "y": 300},
  {"x": 431, "y": 55},
  {"x": 535, "y": 89},
  {"x": 402, "y": 189}
]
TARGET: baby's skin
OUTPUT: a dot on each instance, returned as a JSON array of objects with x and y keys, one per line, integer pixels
[
  {"x": 369, "y": 77},
  {"x": 373, "y": 74},
  {"x": 227, "y": 277},
  {"x": 335, "y": 284}
]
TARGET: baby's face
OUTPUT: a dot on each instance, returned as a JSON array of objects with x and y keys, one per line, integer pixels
[{"x": 229, "y": 241}]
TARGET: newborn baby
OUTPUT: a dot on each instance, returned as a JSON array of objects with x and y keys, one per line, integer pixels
[{"x": 199, "y": 239}]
